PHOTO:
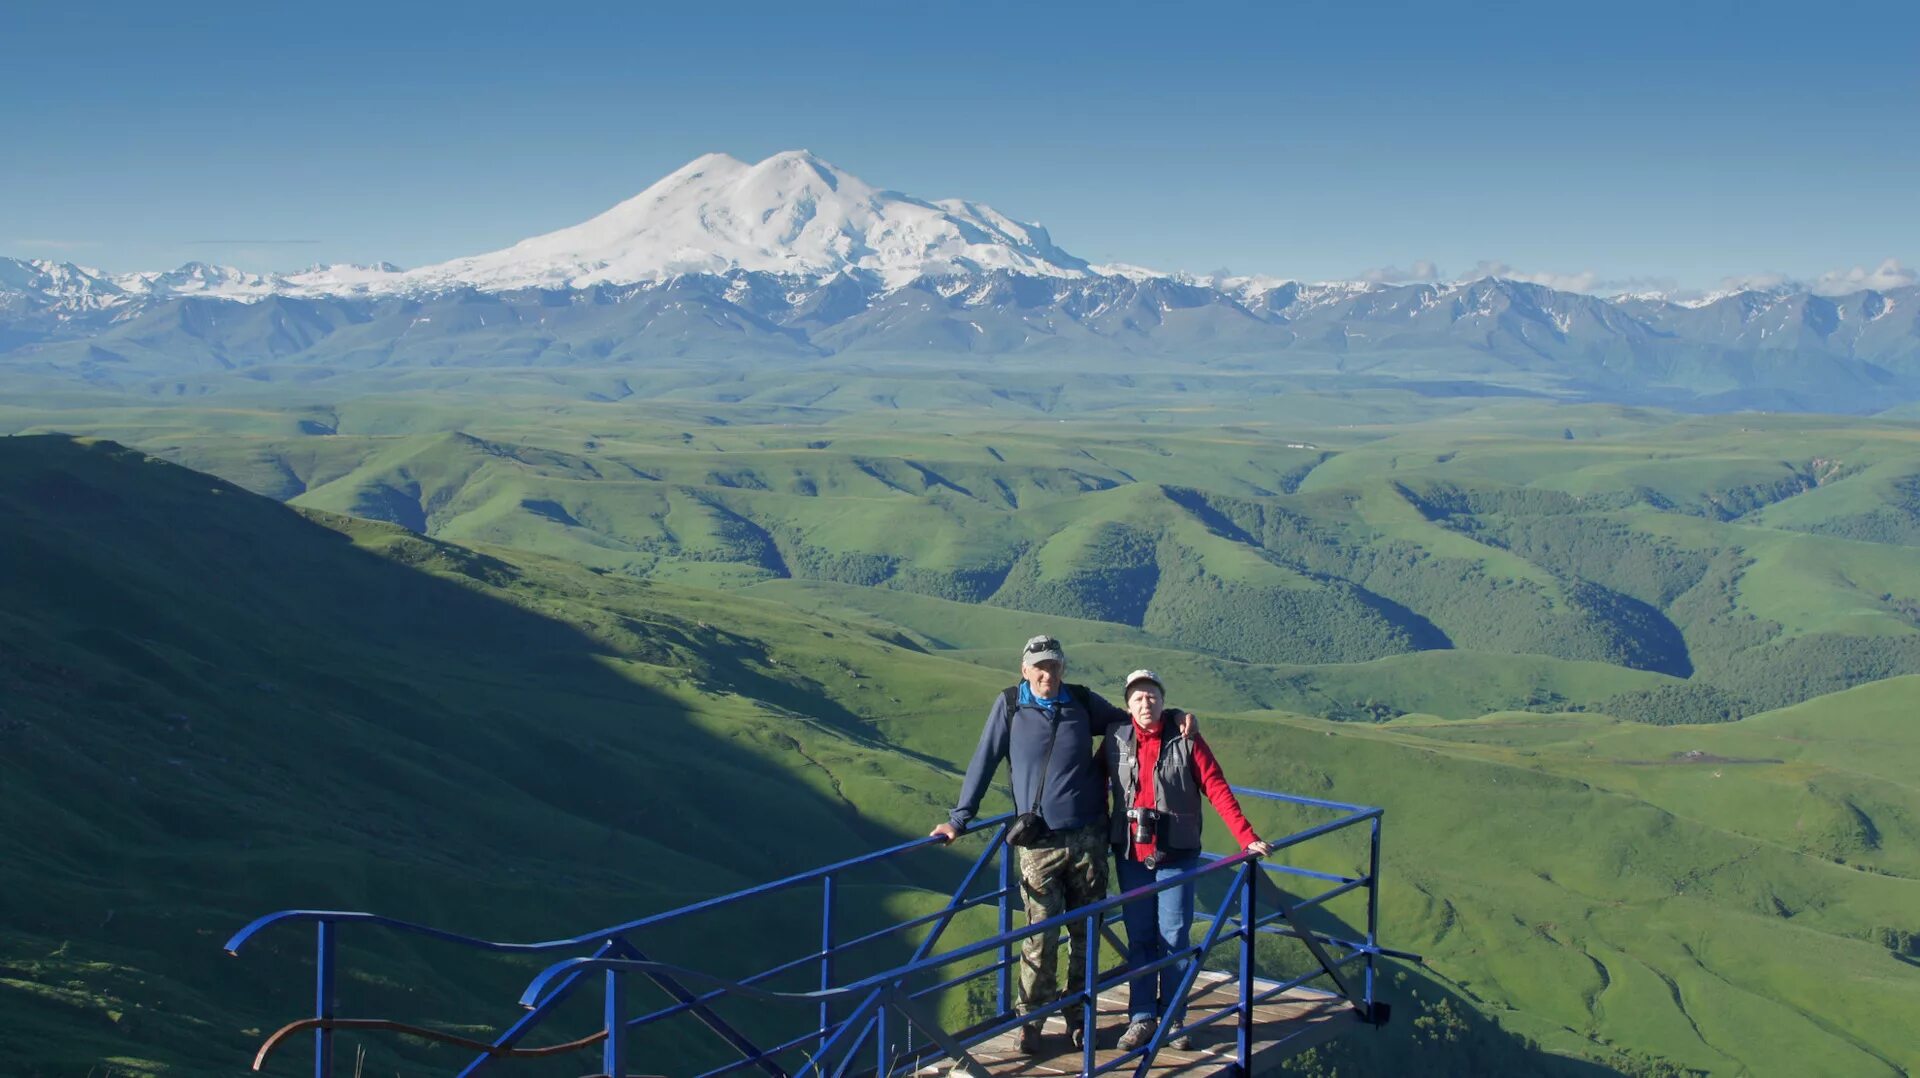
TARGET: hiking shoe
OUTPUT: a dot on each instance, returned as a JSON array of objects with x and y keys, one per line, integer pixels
[
  {"x": 1136, "y": 1035},
  {"x": 1030, "y": 1038},
  {"x": 1182, "y": 1043},
  {"x": 1077, "y": 1033}
]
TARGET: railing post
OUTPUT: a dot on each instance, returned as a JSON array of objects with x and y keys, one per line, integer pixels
[
  {"x": 826, "y": 955},
  {"x": 1373, "y": 916},
  {"x": 537, "y": 1015},
  {"x": 323, "y": 1000},
  {"x": 1090, "y": 1009},
  {"x": 1191, "y": 970},
  {"x": 881, "y": 1046},
  {"x": 614, "y": 1055},
  {"x": 1003, "y": 984},
  {"x": 1244, "y": 1041}
]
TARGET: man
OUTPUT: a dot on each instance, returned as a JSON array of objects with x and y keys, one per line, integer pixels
[
  {"x": 1045, "y": 729},
  {"x": 1158, "y": 777}
]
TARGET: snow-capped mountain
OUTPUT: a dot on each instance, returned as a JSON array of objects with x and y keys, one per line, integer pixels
[
  {"x": 792, "y": 257},
  {"x": 67, "y": 289},
  {"x": 37, "y": 285},
  {"x": 791, "y": 214}
]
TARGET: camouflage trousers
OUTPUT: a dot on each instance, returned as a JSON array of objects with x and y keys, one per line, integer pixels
[{"x": 1068, "y": 870}]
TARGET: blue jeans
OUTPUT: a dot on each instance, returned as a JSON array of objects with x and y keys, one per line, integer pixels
[{"x": 1157, "y": 925}]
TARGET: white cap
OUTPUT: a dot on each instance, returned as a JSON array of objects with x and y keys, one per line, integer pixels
[{"x": 1143, "y": 674}]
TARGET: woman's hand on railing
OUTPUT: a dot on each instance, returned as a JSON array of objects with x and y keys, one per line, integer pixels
[{"x": 1260, "y": 847}]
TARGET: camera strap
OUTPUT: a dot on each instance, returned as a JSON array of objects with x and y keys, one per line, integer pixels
[{"x": 1046, "y": 761}]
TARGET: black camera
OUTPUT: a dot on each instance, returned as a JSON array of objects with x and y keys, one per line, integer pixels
[{"x": 1144, "y": 823}]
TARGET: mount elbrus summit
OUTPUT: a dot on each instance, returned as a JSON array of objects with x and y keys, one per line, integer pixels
[{"x": 794, "y": 259}]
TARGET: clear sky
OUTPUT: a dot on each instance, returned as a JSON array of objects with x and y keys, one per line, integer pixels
[{"x": 1606, "y": 144}]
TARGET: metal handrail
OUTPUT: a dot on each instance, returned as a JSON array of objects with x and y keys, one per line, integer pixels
[
  {"x": 1094, "y": 914},
  {"x": 893, "y": 981},
  {"x": 255, "y": 927},
  {"x": 890, "y": 985},
  {"x": 884, "y": 1002},
  {"x": 326, "y": 922},
  {"x": 1367, "y": 1008}
]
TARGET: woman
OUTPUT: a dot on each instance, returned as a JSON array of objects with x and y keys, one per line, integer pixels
[{"x": 1157, "y": 776}]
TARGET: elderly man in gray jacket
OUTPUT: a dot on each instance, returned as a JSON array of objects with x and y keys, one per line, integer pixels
[{"x": 1045, "y": 729}]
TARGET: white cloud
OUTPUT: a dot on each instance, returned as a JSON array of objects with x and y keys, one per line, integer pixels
[
  {"x": 1888, "y": 274},
  {"x": 1422, "y": 270},
  {"x": 1663, "y": 286},
  {"x": 1584, "y": 281},
  {"x": 1757, "y": 282}
]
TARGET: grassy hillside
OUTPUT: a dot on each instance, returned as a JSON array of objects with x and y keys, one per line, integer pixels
[
  {"x": 1678, "y": 546},
  {"x": 1688, "y": 547},
  {"x": 1629, "y": 894},
  {"x": 1532, "y": 626},
  {"x": 214, "y": 707}
]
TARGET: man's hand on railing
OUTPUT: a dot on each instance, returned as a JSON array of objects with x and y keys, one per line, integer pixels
[
  {"x": 945, "y": 832},
  {"x": 1259, "y": 847}
]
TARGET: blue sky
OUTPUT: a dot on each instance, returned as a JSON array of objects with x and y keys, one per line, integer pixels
[{"x": 1678, "y": 143}]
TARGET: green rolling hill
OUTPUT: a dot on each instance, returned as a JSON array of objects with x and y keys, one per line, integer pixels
[
  {"x": 1687, "y": 547},
  {"x": 1529, "y": 625},
  {"x": 215, "y": 706}
]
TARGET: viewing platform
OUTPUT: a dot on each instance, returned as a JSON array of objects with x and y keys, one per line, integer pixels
[
  {"x": 1291, "y": 1022},
  {"x": 1278, "y": 970}
]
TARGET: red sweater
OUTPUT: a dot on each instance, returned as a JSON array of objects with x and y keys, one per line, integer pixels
[{"x": 1212, "y": 780}]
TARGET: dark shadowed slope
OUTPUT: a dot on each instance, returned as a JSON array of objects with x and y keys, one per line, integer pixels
[{"x": 212, "y": 706}]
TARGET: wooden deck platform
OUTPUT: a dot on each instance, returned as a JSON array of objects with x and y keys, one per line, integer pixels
[{"x": 1289, "y": 1023}]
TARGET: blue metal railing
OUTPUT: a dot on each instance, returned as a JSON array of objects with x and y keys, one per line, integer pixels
[{"x": 883, "y": 1009}]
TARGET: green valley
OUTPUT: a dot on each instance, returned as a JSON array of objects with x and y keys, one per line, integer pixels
[{"x": 1637, "y": 689}]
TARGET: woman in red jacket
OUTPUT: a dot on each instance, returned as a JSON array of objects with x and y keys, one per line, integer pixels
[{"x": 1157, "y": 778}]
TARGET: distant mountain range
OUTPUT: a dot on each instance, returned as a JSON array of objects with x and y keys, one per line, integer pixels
[{"x": 794, "y": 258}]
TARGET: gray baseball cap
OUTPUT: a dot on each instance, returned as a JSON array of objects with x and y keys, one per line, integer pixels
[
  {"x": 1140, "y": 675},
  {"x": 1041, "y": 648}
]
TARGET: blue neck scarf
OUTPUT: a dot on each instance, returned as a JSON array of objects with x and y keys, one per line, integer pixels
[{"x": 1028, "y": 698}]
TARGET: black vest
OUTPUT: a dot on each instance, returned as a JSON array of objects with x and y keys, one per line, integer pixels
[{"x": 1176, "y": 784}]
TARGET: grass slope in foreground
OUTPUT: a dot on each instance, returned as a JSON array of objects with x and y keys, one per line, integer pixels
[
  {"x": 213, "y": 706},
  {"x": 217, "y": 706},
  {"x": 1547, "y": 889}
]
